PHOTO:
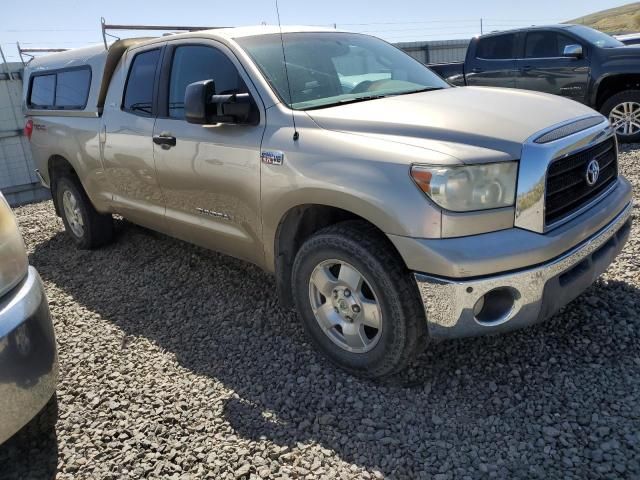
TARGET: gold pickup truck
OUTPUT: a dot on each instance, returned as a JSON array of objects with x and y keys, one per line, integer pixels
[{"x": 390, "y": 206}]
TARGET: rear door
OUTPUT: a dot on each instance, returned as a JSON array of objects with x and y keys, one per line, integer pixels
[
  {"x": 209, "y": 174},
  {"x": 544, "y": 68},
  {"x": 493, "y": 64},
  {"x": 125, "y": 138}
]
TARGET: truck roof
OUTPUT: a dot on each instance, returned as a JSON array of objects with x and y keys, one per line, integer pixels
[
  {"x": 559, "y": 26},
  {"x": 83, "y": 55},
  {"x": 103, "y": 62}
]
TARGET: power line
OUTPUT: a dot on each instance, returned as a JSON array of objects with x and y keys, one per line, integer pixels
[
  {"x": 453, "y": 21},
  {"x": 78, "y": 42},
  {"x": 51, "y": 29}
]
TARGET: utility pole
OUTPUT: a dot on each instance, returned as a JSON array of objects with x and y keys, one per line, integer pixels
[{"x": 481, "y": 28}]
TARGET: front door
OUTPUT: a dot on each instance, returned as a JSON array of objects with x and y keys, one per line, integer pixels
[
  {"x": 544, "y": 68},
  {"x": 209, "y": 174}
]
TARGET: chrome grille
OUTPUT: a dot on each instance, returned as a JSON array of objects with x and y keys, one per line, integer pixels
[{"x": 567, "y": 189}]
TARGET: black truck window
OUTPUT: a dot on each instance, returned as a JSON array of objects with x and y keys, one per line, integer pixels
[
  {"x": 138, "y": 95},
  {"x": 546, "y": 44},
  {"x": 496, "y": 47},
  {"x": 192, "y": 63}
]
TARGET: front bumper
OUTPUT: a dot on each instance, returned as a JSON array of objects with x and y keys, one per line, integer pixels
[
  {"x": 28, "y": 359},
  {"x": 537, "y": 292}
]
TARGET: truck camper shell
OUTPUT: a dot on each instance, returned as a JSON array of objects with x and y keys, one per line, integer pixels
[{"x": 102, "y": 63}]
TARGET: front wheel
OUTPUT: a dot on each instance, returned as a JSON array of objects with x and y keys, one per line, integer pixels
[
  {"x": 357, "y": 301},
  {"x": 623, "y": 111}
]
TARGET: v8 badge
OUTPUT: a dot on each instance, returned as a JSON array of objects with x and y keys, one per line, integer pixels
[{"x": 272, "y": 157}]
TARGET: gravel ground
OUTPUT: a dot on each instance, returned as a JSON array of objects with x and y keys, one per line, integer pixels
[{"x": 177, "y": 362}]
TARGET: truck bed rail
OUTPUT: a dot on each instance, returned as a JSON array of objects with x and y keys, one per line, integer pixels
[
  {"x": 110, "y": 26},
  {"x": 29, "y": 52}
]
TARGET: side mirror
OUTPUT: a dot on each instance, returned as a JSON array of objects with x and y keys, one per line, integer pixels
[
  {"x": 574, "y": 51},
  {"x": 195, "y": 101},
  {"x": 203, "y": 106}
]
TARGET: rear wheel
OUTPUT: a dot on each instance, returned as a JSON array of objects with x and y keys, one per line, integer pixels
[
  {"x": 357, "y": 301},
  {"x": 83, "y": 223},
  {"x": 623, "y": 111}
]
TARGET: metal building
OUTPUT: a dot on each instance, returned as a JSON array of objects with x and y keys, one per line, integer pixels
[
  {"x": 437, "y": 51},
  {"x": 18, "y": 181}
]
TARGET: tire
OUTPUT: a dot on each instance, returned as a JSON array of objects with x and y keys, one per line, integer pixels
[
  {"x": 87, "y": 227},
  {"x": 616, "y": 107},
  {"x": 385, "y": 296}
]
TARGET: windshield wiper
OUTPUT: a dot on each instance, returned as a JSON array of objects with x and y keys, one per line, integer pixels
[
  {"x": 344, "y": 101},
  {"x": 426, "y": 89}
]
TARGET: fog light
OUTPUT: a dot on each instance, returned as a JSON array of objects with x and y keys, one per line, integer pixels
[{"x": 495, "y": 306}]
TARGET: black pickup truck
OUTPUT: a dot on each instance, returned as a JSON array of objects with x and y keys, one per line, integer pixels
[{"x": 574, "y": 61}]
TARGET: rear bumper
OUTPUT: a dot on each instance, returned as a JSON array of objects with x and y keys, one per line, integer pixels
[
  {"x": 28, "y": 359},
  {"x": 537, "y": 292}
]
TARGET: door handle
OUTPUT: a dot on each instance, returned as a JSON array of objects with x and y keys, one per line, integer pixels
[
  {"x": 477, "y": 70},
  {"x": 165, "y": 141}
]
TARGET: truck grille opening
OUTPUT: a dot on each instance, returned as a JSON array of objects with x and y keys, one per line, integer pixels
[{"x": 567, "y": 188}]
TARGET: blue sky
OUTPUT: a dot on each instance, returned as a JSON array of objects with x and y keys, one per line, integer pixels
[{"x": 68, "y": 24}]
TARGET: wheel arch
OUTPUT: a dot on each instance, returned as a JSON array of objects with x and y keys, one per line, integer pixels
[
  {"x": 297, "y": 225},
  {"x": 612, "y": 84},
  {"x": 57, "y": 166}
]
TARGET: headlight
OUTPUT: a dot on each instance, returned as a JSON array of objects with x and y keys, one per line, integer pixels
[
  {"x": 468, "y": 187},
  {"x": 13, "y": 256}
]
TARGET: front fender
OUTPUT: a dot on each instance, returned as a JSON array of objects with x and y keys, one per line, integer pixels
[
  {"x": 612, "y": 70},
  {"x": 384, "y": 195}
]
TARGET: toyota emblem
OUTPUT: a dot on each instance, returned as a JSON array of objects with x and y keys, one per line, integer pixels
[{"x": 593, "y": 172}]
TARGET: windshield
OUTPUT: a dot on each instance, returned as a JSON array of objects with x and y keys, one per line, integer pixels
[
  {"x": 596, "y": 37},
  {"x": 328, "y": 68}
]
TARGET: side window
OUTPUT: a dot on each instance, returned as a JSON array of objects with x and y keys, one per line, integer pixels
[
  {"x": 546, "y": 44},
  {"x": 496, "y": 47},
  {"x": 43, "y": 89},
  {"x": 72, "y": 88},
  {"x": 138, "y": 95},
  {"x": 193, "y": 63}
]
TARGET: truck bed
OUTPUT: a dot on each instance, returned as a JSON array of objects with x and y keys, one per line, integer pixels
[{"x": 451, "y": 72}]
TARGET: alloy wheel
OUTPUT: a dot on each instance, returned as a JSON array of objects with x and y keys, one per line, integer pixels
[
  {"x": 625, "y": 118},
  {"x": 72, "y": 213},
  {"x": 345, "y": 306}
]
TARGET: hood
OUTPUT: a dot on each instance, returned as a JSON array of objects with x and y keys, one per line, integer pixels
[
  {"x": 626, "y": 51},
  {"x": 472, "y": 124}
]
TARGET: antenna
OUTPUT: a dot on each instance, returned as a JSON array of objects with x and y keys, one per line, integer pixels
[{"x": 296, "y": 135}]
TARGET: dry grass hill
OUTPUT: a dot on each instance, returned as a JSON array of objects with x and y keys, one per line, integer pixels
[{"x": 625, "y": 19}]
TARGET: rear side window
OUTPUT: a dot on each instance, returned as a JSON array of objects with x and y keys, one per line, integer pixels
[
  {"x": 43, "y": 91},
  {"x": 138, "y": 95},
  {"x": 193, "y": 63},
  {"x": 72, "y": 88},
  {"x": 546, "y": 44},
  {"x": 497, "y": 47},
  {"x": 61, "y": 89}
]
